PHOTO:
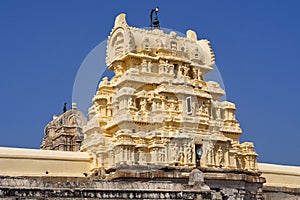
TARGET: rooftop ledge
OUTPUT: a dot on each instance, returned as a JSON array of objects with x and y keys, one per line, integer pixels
[{"x": 23, "y": 153}]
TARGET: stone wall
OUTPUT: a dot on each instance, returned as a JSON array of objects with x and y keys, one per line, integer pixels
[
  {"x": 12, "y": 188},
  {"x": 282, "y": 182},
  {"x": 125, "y": 184},
  {"x": 33, "y": 162},
  {"x": 279, "y": 193},
  {"x": 78, "y": 188},
  {"x": 158, "y": 184}
]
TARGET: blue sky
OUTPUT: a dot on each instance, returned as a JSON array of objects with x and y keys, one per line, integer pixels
[{"x": 257, "y": 46}]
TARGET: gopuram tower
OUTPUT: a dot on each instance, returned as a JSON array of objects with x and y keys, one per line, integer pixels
[
  {"x": 157, "y": 110},
  {"x": 157, "y": 119}
]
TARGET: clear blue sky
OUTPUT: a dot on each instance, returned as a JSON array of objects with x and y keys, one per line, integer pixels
[{"x": 257, "y": 46}]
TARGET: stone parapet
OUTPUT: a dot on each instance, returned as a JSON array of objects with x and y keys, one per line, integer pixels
[
  {"x": 78, "y": 188},
  {"x": 89, "y": 188},
  {"x": 283, "y": 182},
  {"x": 34, "y": 162},
  {"x": 281, "y": 175},
  {"x": 280, "y": 192}
]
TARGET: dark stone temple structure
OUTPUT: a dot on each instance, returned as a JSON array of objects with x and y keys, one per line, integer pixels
[{"x": 64, "y": 132}]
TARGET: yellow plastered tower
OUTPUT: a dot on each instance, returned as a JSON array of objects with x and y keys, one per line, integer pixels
[{"x": 158, "y": 109}]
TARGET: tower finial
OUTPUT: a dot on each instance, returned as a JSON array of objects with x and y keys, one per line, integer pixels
[
  {"x": 154, "y": 23},
  {"x": 65, "y": 107}
]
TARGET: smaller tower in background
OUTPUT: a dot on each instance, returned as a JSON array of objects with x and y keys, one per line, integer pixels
[{"x": 64, "y": 132}]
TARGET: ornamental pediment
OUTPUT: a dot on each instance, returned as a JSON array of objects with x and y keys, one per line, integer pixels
[{"x": 125, "y": 39}]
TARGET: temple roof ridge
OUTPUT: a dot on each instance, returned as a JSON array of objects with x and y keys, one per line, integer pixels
[{"x": 125, "y": 39}]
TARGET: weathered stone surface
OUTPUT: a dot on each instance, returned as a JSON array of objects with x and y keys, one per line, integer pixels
[
  {"x": 196, "y": 177},
  {"x": 97, "y": 190},
  {"x": 64, "y": 132},
  {"x": 278, "y": 193},
  {"x": 232, "y": 186}
]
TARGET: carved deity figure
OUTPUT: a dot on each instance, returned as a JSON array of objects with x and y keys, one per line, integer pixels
[
  {"x": 143, "y": 105},
  {"x": 218, "y": 113},
  {"x": 153, "y": 106},
  {"x": 203, "y": 109},
  {"x": 231, "y": 115},
  {"x": 220, "y": 156},
  {"x": 171, "y": 69},
  {"x": 118, "y": 70},
  {"x": 180, "y": 72},
  {"x": 209, "y": 152},
  {"x": 181, "y": 157},
  {"x": 189, "y": 154},
  {"x": 194, "y": 106},
  {"x": 158, "y": 106},
  {"x": 166, "y": 67},
  {"x": 199, "y": 75},
  {"x": 163, "y": 105},
  {"x": 74, "y": 121},
  {"x": 142, "y": 157},
  {"x": 175, "y": 153},
  {"x": 252, "y": 163},
  {"x": 185, "y": 71},
  {"x": 104, "y": 81},
  {"x": 195, "y": 73},
  {"x": 161, "y": 155},
  {"x": 144, "y": 66},
  {"x": 131, "y": 103},
  {"x": 239, "y": 163},
  {"x": 161, "y": 68},
  {"x": 172, "y": 107},
  {"x": 145, "y": 44},
  {"x": 159, "y": 43}
]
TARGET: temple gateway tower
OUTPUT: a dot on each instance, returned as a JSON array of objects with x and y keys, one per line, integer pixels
[{"x": 158, "y": 110}]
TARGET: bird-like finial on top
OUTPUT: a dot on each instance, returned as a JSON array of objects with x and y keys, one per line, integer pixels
[
  {"x": 154, "y": 23},
  {"x": 65, "y": 107}
]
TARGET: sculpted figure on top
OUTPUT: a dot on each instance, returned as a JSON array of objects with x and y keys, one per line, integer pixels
[{"x": 158, "y": 109}]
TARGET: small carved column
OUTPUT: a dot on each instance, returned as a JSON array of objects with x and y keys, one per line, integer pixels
[
  {"x": 226, "y": 155},
  {"x": 171, "y": 69},
  {"x": 186, "y": 71},
  {"x": 118, "y": 70},
  {"x": 161, "y": 67},
  {"x": 125, "y": 146},
  {"x": 199, "y": 75},
  {"x": 95, "y": 161},
  {"x": 189, "y": 155},
  {"x": 101, "y": 158},
  {"x": 180, "y": 71},
  {"x": 111, "y": 158},
  {"x": 142, "y": 151},
  {"x": 144, "y": 66},
  {"x": 154, "y": 154}
]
